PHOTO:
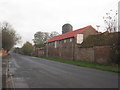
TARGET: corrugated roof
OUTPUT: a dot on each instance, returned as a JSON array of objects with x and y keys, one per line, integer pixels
[{"x": 68, "y": 34}]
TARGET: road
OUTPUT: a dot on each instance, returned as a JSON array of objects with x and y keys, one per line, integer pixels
[{"x": 33, "y": 72}]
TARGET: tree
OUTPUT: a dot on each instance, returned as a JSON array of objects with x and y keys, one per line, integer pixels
[
  {"x": 53, "y": 33},
  {"x": 9, "y": 36},
  {"x": 27, "y": 48},
  {"x": 41, "y": 37},
  {"x": 111, "y": 21},
  {"x": 17, "y": 50}
]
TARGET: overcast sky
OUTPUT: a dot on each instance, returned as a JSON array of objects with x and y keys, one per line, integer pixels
[{"x": 29, "y": 16}]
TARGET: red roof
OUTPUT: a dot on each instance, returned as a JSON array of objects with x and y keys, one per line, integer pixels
[{"x": 68, "y": 34}]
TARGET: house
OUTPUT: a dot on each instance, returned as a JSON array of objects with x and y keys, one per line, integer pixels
[{"x": 65, "y": 45}]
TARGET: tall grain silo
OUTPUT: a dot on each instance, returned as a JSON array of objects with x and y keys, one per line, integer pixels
[{"x": 66, "y": 28}]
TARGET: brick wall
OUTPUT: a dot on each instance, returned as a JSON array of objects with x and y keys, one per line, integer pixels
[
  {"x": 98, "y": 54},
  {"x": 84, "y": 54},
  {"x": 38, "y": 52},
  {"x": 102, "y": 54},
  {"x": 64, "y": 49},
  {"x": 89, "y": 31},
  {"x": 41, "y": 52}
]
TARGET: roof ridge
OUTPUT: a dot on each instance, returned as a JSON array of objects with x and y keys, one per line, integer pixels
[
  {"x": 83, "y": 27},
  {"x": 77, "y": 29}
]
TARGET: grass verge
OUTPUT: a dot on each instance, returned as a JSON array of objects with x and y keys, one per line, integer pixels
[{"x": 85, "y": 64}]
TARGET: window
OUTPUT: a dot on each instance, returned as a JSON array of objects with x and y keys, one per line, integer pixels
[
  {"x": 79, "y": 38},
  {"x": 55, "y": 44},
  {"x": 65, "y": 41},
  {"x": 70, "y": 39}
]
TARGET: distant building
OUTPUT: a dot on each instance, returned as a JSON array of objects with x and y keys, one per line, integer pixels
[{"x": 64, "y": 45}]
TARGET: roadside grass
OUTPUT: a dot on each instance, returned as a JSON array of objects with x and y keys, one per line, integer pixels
[{"x": 85, "y": 64}]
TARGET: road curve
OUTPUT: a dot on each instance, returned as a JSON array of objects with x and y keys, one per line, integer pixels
[{"x": 33, "y": 72}]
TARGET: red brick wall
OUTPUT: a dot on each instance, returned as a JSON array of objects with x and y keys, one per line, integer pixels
[
  {"x": 41, "y": 52},
  {"x": 89, "y": 31},
  {"x": 84, "y": 54},
  {"x": 98, "y": 54},
  {"x": 102, "y": 54},
  {"x": 38, "y": 52},
  {"x": 63, "y": 50}
]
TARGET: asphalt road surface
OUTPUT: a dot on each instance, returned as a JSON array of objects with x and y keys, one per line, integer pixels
[{"x": 33, "y": 72}]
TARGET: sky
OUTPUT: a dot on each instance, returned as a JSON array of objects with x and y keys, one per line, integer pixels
[{"x": 30, "y": 16}]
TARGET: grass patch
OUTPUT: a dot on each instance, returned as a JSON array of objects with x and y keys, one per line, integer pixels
[{"x": 85, "y": 64}]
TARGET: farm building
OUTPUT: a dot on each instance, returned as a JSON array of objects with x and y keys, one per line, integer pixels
[{"x": 65, "y": 45}]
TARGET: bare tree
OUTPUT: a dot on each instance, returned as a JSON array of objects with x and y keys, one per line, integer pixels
[
  {"x": 9, "y": 36},
  {"x": 111, "y": 21}
]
